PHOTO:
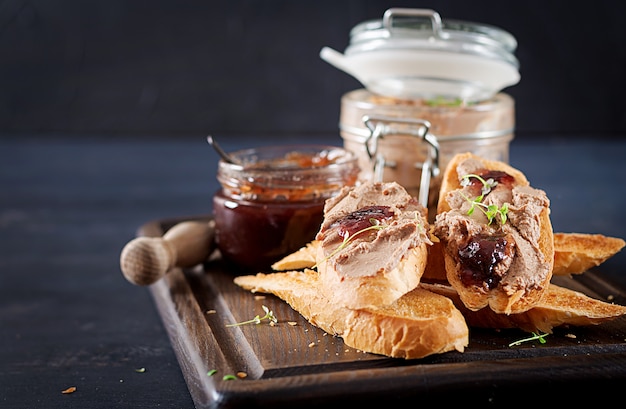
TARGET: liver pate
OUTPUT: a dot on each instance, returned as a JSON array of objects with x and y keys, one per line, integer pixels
[
  {"x": 402, "y": 223},
  {"x": 516, "y": 262}
]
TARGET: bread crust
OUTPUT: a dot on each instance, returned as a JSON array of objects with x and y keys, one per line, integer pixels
[
  {"x": 559, "y": 306},
  {"x": 508, "y": 300},
  {"x": 299, "y": 259},
  {"x": 418, "y": 324},
  {"x": 575, "y": 253},
  {"x": 376, "y": 290}
]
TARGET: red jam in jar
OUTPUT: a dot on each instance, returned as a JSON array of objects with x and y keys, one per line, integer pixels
[{"x": 271, "y": 201}]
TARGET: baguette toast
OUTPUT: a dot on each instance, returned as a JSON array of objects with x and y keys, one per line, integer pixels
[
  {"x": 418, "y": 324},
  {"x": 574, "y": 253},
  {"x": 373, "y": 245},
  {"x": 559, "y": 306},
  {"x": 496, "y": 235}
]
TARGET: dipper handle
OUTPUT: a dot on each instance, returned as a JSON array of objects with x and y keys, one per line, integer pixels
[{"x": 144, "y": 260}]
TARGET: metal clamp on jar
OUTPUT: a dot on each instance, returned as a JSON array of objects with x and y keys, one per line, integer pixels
[
  {"x": 420, "y": 69},
  {"x": 383, "y": 126}
]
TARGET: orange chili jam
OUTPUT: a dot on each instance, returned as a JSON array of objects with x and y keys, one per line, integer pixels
[{"x": 271, "y": 201}]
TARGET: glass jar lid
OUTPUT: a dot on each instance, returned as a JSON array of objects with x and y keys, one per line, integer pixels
[{"x": 413, "y": 53}]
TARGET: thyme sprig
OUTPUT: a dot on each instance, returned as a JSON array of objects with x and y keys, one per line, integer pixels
[
  {"x": 269, "y": 316},
  {"x": 491, "y": 211},
  {"x": 375, "y": 224},
  {"x": 536, "y": 336}
]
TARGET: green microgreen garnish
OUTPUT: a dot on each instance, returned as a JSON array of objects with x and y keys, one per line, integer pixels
[
  {"x": 536, "y": 336},
  {"x": 211, "y": 372},
  {"x": 375, "y": 224},
  {"x": 442, "y": 101},
  {"x": 269, "y": 316},
  {"x": 491, "y": 211},
  {"x": 229, "y": 377}
]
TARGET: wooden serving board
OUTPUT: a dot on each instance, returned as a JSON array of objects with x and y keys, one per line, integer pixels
[{"x": 298, "y": 366}]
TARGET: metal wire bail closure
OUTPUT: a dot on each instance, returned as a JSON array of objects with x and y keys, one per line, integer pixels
[
  {"x": 380, "y": 127},
  {"x": 435, "y": 18}
]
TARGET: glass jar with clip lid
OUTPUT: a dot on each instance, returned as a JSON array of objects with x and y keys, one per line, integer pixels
[{"x": 433, "y": 88}]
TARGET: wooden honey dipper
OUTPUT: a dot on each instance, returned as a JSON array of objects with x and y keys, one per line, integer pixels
[{"x": 144, "y": 260}]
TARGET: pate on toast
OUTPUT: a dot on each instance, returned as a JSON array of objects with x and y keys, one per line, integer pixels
[
  {"x": 373, "y": 244},
  {"x": 496, "y": 235}
]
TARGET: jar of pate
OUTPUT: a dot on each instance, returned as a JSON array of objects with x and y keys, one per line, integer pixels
[
  {"x": 271, "y": 201},
  {"x": 412, "y": 135},
  {"x": 432, "y": 88}
]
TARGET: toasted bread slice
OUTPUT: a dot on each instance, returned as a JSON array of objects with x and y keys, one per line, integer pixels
[
  {"x": 500, "y": 259},
  {"x": 373, "y": 245},
  {"x": 559, "y": 306},
  {"x": 575, "y": 253},
  {"x": 299, "y": 259},
  {"x": 418, "y": 324}
]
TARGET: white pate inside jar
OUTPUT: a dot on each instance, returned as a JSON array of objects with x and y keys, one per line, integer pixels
[{"x": 484, "y": 128}]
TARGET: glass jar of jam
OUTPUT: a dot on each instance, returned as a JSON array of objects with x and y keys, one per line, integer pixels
[{"x": 271, "y": 201}]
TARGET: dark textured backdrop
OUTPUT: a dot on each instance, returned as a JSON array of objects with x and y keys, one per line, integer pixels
[{"x": 228, "y": 67}]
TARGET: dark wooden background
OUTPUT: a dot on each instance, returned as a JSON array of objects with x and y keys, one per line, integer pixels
[{"x": 252, "y": 66}]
